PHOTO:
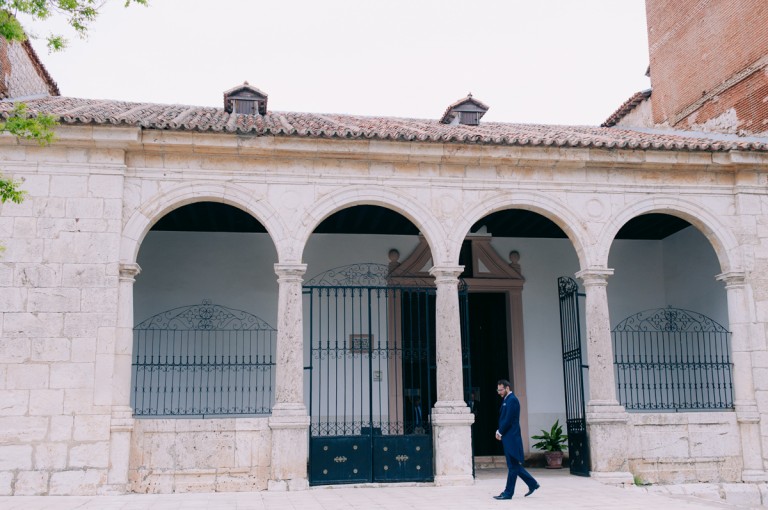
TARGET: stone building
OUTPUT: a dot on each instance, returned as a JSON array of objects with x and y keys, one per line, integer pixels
[{"x": 239, "y": 299}]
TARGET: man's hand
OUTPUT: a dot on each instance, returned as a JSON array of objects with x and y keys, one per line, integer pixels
[{"x": 498, "y": 436}]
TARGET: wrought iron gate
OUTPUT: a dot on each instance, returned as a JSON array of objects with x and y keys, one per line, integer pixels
[
  {"x": 371, "y": 377},
  {"x": 575, "y": 411}
]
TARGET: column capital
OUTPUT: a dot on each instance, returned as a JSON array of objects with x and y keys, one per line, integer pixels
[
  {"x": 128, "y": 271},
  {"x": 446, "y": 274},
  {"x": 290, "y": 271},
  {"x": 594, "y": 276},
  {"x": 733, "y": 279}
]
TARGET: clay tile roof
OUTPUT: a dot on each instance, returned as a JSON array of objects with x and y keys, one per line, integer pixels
[
  {"x": 628, "y": 105},
  {"x": 331, "y": 126}
]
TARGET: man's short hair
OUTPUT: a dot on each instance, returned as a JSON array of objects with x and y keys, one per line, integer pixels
[{"x": 505, "y": 383}]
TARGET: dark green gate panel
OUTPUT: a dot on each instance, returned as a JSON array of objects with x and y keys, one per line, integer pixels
[
  {"x": 371, "y": 376},
  {"x": 573, "y": 368},
  {"x": 402, "y": 458},
  {"x": 340, "y": 459}
]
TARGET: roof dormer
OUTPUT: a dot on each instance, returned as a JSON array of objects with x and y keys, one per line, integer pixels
[
  {"x": 245, "y": 99},
  {"x": 467, "y": 111}
]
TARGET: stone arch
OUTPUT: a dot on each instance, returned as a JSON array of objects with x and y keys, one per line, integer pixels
[
  {"x": 403, "y": 204},
  {"x": 147, "y": 214},
  {"x": 720, "y": 237},
  {"x": 552, "y": 209}
]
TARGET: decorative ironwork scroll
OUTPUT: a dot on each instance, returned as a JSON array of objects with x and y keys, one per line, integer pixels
[
  {"x": 672, "y": 359},
  {"x": 203, "y": 360}
]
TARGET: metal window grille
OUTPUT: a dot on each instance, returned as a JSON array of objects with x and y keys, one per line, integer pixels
[
  {"x": 672, "y": 359},
  {"x": 203, "y": 360}
]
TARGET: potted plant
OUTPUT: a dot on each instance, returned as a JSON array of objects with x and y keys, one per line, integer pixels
[{"x": 552, "y": 442}]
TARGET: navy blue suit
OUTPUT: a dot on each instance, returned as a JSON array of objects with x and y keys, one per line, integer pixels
[{"x": 512, "y": 440}]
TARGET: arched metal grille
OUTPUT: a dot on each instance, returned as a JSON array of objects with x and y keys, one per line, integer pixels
[
  {"x": 203, "y": 360},
  {"x": 672, "y": 359}
]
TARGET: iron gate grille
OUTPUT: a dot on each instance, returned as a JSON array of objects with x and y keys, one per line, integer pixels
[
  {"x": 672, "y": 359},
  {"x": 573, "y": 366},
  {"x": 371, "y": 376},
  {"x": 203, "y": 360}
]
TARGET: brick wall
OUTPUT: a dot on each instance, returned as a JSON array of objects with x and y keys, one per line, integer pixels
[
  {"x": 695, "y": 47},
  {"x": 21, "y": 73}
]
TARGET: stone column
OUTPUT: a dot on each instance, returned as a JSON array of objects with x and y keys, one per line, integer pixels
[
  {"x": 451, "y": 419},
  {"x": 289, "y": 421},
  {"x": 607, "y": 421},
  {"x": 743, "y": 344},
  {"x": 121, "y": 424}
]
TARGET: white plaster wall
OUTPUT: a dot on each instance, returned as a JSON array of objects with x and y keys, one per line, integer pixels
[
  {"x": 690, "y": 267},
  {"x": 183, "y": 268}
]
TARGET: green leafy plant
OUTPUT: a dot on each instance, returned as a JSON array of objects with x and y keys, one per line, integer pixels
[
  {"x": 552, "y": 440},
  {"x": 79, "y": 14}
]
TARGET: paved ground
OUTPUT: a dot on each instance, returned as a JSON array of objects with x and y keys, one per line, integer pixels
[{"x": 558, "y": 490}]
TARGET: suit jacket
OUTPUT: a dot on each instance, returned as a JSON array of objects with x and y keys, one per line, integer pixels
[{"x": 509, "y": 428}]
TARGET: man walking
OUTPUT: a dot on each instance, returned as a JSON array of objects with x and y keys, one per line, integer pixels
[{"x": 509, "y": 435}]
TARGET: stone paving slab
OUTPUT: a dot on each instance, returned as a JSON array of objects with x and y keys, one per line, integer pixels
[{"x": 559, "y": 490}]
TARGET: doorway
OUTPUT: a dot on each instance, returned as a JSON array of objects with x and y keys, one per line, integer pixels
[{"x": 490, "y": 362}]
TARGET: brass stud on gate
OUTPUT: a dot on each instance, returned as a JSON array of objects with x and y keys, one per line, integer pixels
[
  {"x": 418, "y": 448},
  {"x": 418, "y": 468},
  {"x": 354, "y": 447},
  {"x": 385, "y": 448},
  {"x": 386, "y": 468},
  {"x": 325, "y": 448},
  {"x": 354, "y": 471},
  {"x": 325, "y": 471}
]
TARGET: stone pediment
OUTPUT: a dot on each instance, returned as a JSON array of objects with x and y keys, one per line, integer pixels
[{"x": 487, "y": 264}]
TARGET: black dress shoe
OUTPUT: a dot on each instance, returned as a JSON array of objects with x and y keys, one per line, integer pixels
[
  {"x": 531, "y": 489},
  {"x": 503, "y": 495}
]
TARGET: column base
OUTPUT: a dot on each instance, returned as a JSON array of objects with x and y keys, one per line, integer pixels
[
  {"x": 117, "y": 489},
  {"x": 606, "y": 411},
  {"x": 121, "y": 430},
  {"x": 297, "y": 484},
  {"x": 613, "y": 477},
  {"x": 754, "y": 476},
  {"x": 454, "y": 480},
  {"x": 608, "y": 432},
  {"x": 290, "y": 451},
  {"x": 452, "y": 439}
]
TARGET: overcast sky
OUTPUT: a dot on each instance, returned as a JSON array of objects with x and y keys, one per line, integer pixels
[{"x": 531, "y": 61}]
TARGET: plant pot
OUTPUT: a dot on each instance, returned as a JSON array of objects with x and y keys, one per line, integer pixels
[{"x": 554, "y": 460}]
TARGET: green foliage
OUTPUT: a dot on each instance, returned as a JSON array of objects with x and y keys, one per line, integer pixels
[
  {"x": 78, "y": 13},
  {"x": 23, "y": 125},
  {"x": 638, "y": 480},
  {"x": 553, "y": 440},
  {"x": 9, "y": 190}
]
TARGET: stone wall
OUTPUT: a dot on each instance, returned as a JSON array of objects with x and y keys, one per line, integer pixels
[
  {"x": 200, "y": 455},
  {"x": 673, "y": 448}
]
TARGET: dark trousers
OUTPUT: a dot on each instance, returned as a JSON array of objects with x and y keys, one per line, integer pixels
[{"x": 516, "y": 469}]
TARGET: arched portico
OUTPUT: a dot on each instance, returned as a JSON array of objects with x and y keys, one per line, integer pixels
[
  {"x": 450, "y": 416},
  {"x": 549, "y": 207},
  {"x": 721, "y": 238},
  {"x": 136, "y": 228},
  {"x": 740, "y": 316},
  {"x": 399, "y": 202},
  {"x": 142, "y": 219}
]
